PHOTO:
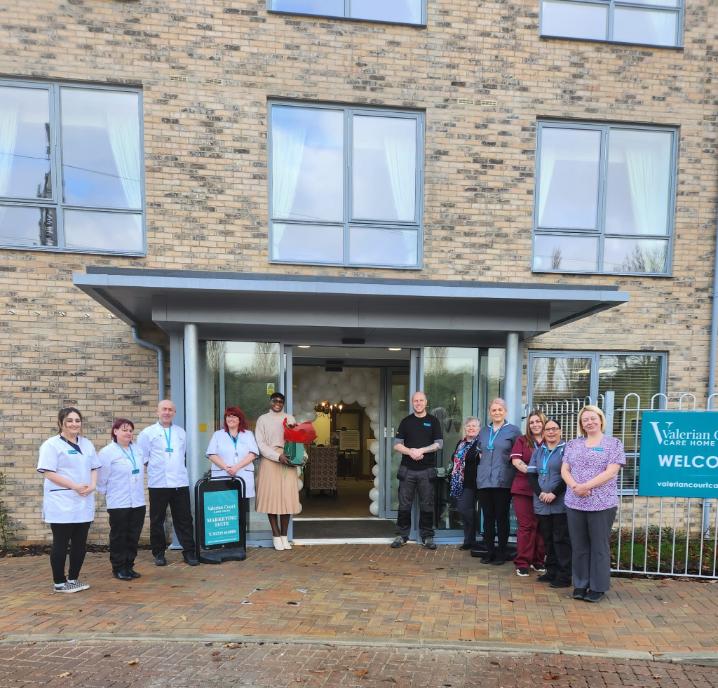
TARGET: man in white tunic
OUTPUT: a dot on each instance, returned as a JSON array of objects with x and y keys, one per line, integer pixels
[{"x": 162, "y": 447}]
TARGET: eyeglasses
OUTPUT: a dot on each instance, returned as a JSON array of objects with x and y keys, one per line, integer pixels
[{"x": 552, "y": 429}]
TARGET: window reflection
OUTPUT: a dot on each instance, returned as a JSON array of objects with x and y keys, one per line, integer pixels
[
  {"x": 100, "y": 149},
  {"x": 24, "y": 143}
]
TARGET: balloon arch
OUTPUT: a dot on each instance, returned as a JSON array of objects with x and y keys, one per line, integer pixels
[{"x": 352, "y": 385}]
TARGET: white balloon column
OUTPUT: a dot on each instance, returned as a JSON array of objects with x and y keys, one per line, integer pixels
[{"x": 352, "y": 385}]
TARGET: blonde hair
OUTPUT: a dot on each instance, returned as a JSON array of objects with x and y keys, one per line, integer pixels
[
  {"x": 500, "y": 402},
  {"x": 589, "y": 407}
]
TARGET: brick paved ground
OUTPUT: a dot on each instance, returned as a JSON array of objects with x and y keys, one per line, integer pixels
[
  {"x": 118, "y": 664},
  {"x": 357, "y": 593}
]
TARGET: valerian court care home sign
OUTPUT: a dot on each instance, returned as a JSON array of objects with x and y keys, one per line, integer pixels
[{"x": 679, "y": 454}]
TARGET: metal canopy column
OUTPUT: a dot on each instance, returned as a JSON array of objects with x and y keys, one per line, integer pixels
[
  {"x": 191, "y": 403},
  {"x": 512, "y": 383}
]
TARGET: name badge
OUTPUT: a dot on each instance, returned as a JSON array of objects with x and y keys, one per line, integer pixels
[
  {"x": 169, "y": 450},
  {"x": 135, "y": 471},
  {"x": 72, "y": 451},
  {"x": 598, "y": 449},
  {"x": 427, "y": 425}
]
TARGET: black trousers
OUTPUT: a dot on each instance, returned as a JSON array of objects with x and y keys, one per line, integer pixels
[
  {"x": 554, "y": 530},
  {"x": 495, "y": 503},
  {"x": 411, "y": 482},
  {"x": 466, "y": 506},
  {"x": 125, "y": 528},
  {"x": 177, "y": 498},
  {"x": 73, "y": 535}
]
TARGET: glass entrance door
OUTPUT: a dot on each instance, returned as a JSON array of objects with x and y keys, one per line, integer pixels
[{"x": 397, "y": 400}]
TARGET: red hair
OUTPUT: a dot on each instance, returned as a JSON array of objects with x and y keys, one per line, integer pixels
[
  {"x": 119, "y": 422},
  {"x": 235, "y": 411}
]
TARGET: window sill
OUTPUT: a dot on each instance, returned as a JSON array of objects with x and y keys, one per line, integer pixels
[
  {"x": 664, "y": 275},
  {"x": 652, "y": 46},
  {"x": 325, "y": 17},
  {"x": 85, "y": 251}
]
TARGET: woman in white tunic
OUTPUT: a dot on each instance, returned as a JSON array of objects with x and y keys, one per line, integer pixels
[
  {"x": 233, "y": 449},
  {"x": 69, "y": 465},
  {"x": 121, "y": 479}
]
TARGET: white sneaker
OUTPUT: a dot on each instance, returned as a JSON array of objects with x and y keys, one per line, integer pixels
[
  {"x": 78, "y": 585},
  {"x": 65, "y": 587},
  {"x": 278, "y": 544},
  {"x": 285, "y": 542}
]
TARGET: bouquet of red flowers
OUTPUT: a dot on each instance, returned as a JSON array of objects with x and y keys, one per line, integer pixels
[{"x": 295, "y": 437}]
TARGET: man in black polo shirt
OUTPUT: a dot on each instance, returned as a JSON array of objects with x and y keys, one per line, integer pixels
[{"x": 418, "y": 439}]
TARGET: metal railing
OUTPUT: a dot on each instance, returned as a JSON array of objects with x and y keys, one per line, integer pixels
[{"x": 661, "y": 536}]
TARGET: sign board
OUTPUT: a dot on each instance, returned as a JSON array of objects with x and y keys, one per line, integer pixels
[
  {"x": 221, "y": 517},
  {"x": 679, "y": 454},
  {"x": 221, "y": 520}
]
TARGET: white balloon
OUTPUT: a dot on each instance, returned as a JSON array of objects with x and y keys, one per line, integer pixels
[
  {"x": 375, "y": 469},
  {"x": 376, "y": 482},
  {"x": 374, "y": 508},
  {"x": 374, "y": 494},
  {"x": 300, "y": 484}
]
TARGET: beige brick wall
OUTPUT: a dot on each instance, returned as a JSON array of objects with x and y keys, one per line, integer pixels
[{"x": 207, "y": 69}]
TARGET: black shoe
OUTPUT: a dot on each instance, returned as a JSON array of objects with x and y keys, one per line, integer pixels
[
  {"x": 593, "y": 596},
  {"x": 122, "y": 574},
  {"x": 487, "y": 558},
  {"x": 190, "y": 559},
  {"x": 560, "y": 583},
  {"x": 429, "y": 543},
  {"x": 545, "y": 578},
  {"x": 133, "y": 573},
  {"x": 467, "y": 545},
  {"x": 579, "y": 593},
  {"x": 398, "y": 541},
  {"x": 160, "y": 559},
  {"x": 499, "y": 560}
]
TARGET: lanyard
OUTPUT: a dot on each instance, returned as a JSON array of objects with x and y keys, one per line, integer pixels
[
  {"x": 234, "y": 442},
  {"x": 131, "y": 459},
  {"x": 547, "y": 457},
  {"x": 493, "y": 435},
  {"x": 168, "y": 438}
]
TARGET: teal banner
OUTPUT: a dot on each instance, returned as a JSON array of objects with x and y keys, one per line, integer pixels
[
  {"x": 679, "y": 454},
  {"x": 221, "y": 517}
]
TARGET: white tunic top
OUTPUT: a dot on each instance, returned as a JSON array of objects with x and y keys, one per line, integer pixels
[
  {"x": 121, "y": 477},
  {"x": 61, "y": 504},
  {"x": 163, "y": 452},
  {"x": 223, "y": 446}
]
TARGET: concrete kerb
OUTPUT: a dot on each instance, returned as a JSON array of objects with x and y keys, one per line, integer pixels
[{"x": 484, "y": 648}]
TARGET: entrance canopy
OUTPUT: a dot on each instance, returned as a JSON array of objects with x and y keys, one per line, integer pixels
[{"x": 230, "y": 305}]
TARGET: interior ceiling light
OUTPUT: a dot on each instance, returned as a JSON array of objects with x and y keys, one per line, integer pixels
[
  {"x": 304, "y": 346},
  {"x": 394, "y": 348}
]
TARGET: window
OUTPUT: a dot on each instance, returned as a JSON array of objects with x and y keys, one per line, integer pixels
[
  {"x": 604, "y": 198},
  {"x": 393, "y": 11},
  {"x": 70, "y": 168},
  {"x": 345, "y": 186},
  {"x": 648, "y": 22},
  {"x": 560, "y": 383}
]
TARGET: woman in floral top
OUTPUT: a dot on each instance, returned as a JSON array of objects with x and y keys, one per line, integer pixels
[{"x": 591, "y": 463}]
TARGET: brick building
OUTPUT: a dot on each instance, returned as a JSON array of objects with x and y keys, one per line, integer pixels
[{"x": 476, "y": 198}]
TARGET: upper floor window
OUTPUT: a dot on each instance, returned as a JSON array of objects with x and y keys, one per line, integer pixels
[
  {"x": 394, "y": 11},
  {"x": 70, "y": 168},
  {"x": 604, "y": 198},
  {"x": 345, "y": 186},
  {"x": 648, "y": 22}
]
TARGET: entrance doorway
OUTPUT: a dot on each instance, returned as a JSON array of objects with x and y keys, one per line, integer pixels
[
  {"x": 373, "y": 386},
  {"x": 343, "y": 391}
]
